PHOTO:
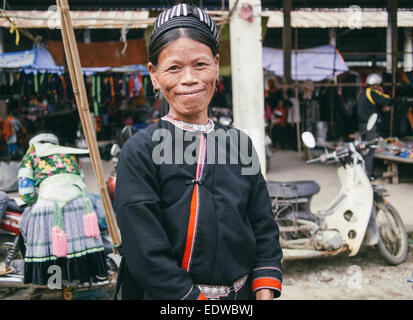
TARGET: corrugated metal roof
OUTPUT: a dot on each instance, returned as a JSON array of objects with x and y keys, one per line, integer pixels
[
  {"x": 80, "y": 19},
  {"x": 354, "y": 18},
  {"x": 209, "y": 4},
  {"x": 303, "y": 18}
]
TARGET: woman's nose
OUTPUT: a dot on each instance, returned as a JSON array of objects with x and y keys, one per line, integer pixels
[{"x": 188, "y": 76}]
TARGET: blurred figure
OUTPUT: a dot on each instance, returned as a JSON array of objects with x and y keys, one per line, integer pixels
[
  {"x": 279, "y": 125},
  {"x": 371, "y": 101}
]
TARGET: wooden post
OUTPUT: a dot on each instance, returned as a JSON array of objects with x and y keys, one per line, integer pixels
[
  {"x": 408, "y": 48},
  {"x": 76, "y": 76},
  {"x": 392, "y": 20},
  {"x": 286, "y": 40},
  {"x": 248, "y": 75},
  {"x": 297, "y": 124}
]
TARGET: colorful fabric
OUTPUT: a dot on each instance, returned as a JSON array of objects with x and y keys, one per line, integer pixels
[
  {"x": 36, "y": 225},
  {"x": 45, "y": 167},
  {"x": 61, "y": 223}
]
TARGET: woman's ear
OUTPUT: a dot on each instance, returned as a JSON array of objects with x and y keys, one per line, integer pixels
[
  {"x": 216, "y": 59},
  {"x": 152, "y": 73}
]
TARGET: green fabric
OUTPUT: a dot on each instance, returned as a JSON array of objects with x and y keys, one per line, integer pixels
[
  {"x": 46, "y": 167},
  {"x": 94, "y": 98},
  {"x": 98, "y": 89},
  {"x": 36, "y": 84},
  {"x": 41, "y": 78},
  {"x": 63, "y": 188},
  {"x": 58, "y": 220}
]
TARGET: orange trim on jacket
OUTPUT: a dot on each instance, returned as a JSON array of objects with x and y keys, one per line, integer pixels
[{"x": 266, "y": 283}]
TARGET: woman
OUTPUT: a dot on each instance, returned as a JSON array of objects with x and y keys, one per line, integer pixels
[
  {"x": 192, "y": 227},
  {"x": 59, "y": 227}
]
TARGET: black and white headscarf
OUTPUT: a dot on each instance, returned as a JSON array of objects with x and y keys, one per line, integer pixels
[{"x": 184, "y": 16}]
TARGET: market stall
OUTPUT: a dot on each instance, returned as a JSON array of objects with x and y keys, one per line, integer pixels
[
  {"x": 38, "y": 93},
  {"x": 393, "y": 152}
]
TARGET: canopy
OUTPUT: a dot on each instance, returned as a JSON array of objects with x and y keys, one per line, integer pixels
[
  {"x": 37, "y": 58},
  {"x": 40, "y": 59},
  {"x": 316, "y": 64}
]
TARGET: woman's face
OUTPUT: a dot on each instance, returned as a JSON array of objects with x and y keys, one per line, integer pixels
[{"x": 186, "y": 74}]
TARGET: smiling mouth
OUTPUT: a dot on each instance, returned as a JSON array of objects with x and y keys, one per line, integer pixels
[{"x": 190, "y": 93}]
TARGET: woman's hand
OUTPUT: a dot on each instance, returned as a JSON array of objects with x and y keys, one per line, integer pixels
[{"x": 264, "y": 294}]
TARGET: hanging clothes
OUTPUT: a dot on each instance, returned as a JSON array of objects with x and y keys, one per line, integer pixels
[{"x": 310, "y": 114}]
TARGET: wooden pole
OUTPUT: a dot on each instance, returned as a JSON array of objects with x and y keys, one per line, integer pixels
[
  {"x": 286, "y": 39},
  {"x": 392, "y": 19},
  {"x": 297, "y": 124},
  {"x": 76, "y": 76}
]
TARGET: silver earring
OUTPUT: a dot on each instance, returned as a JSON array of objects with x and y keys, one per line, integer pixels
[
  {"x": 216, "y": 85},
  {"x": 156, "y": 92}
]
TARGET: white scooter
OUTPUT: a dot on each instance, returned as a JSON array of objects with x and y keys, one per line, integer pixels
[{"x": 359, "y": 215}]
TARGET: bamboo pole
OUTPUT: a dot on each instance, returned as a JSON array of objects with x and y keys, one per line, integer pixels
[
  {"x": 297, "y": 124},
  {"x": 76, "y": 75}
]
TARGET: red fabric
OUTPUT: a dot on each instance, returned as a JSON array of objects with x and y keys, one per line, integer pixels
[
  {"x": 268, "y": 283},
  {"x": 191, "y": 229},
  {"x": 202, "y": 297}
]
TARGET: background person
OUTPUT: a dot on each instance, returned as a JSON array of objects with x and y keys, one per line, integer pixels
[
  {"x": 371, "y": 101},
  {"x": 59, "y": 227}
]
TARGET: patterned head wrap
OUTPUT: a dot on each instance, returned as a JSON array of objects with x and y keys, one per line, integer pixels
[{"x": 184, "y": 16}]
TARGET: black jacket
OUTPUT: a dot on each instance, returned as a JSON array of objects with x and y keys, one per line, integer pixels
[
  {"x": 235, "y": 232},
  {"x": 371, "y": 101}
]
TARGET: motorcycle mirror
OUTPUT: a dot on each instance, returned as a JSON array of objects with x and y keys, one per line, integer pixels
[
  {"x": 226, "y": 121},
  {"x": 115, "y": 150},
  {"x": 371, "y": 122},
  {"x": 308, "y": 139}
]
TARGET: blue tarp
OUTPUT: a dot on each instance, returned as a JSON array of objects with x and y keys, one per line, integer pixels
[
  {"x": 37, "y": 58},
  {"x": 40, "y": 60},
  {"x": 316, "y": 63}
]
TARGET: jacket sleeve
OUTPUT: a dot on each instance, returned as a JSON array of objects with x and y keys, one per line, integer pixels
[
  {"x": 147, "y": 250},
  {"x": 267, "y": 273},
  {"x": 381, "y": 99}
]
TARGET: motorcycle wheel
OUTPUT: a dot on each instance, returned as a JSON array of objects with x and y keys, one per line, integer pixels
[{"x": 393, "y": 242}]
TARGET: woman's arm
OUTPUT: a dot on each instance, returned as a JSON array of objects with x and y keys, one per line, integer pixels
[
  {"x": 147, "y": 250},
  {"x": 267, "y": 274}
]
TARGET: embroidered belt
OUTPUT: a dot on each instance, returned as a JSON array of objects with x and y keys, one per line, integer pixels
[{"x": 214, "y": 292}]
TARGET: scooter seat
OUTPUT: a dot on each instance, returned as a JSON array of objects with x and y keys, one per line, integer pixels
[{"x": 292, "y": 189}]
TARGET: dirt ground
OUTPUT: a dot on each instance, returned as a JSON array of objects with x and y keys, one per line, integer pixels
[{"x": 365, "y": 276}]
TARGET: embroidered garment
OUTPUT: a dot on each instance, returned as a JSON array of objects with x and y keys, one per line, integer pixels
[
  {"x": 59, "y": 227},
  {"x": 184, "y": 223}
]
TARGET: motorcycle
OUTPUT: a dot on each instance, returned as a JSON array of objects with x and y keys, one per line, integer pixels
[
  {"x": 359, "y": 215},
  {"x": 125, "y": 134},
  {"x": 12, "y": 251}
]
